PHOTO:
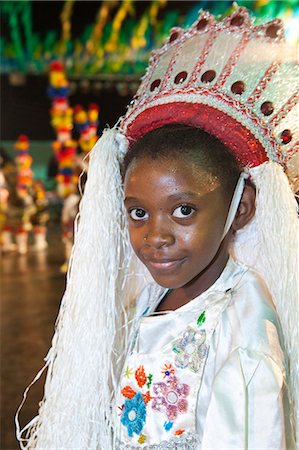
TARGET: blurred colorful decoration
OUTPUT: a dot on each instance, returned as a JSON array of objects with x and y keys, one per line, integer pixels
[
  {"x": 119, "y": 40},
  {"x": 66, "y": 26},
  {"x": 67, "y": 179},
  {"x": 40, "y": 217},
  {"x": 58, "y": 91},
  {"x": 23, "y": 165},
  {"x": 149, "y": 18},
  {"x": 125, "y": 9},
  {"x": 20, "y": 206},
  {"x": 86, "y": 124},
  {"x": 62, "y": 122},
  {"x": 92, "y": 45}
]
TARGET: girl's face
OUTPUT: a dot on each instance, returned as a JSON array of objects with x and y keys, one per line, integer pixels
[{"x": 176, "y": 216}]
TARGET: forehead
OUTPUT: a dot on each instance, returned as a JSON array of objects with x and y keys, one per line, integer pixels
[{"x": 168, "y": 173}]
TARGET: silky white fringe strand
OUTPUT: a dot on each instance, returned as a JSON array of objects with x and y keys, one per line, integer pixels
[
  {"x": 76, "y": 410},
  {"x": 269, "y": 244}
]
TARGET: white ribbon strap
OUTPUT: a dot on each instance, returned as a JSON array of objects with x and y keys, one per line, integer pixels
[{"x": 234, "y": 205}]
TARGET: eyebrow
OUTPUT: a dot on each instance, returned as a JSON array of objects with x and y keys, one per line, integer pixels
[
  {"x": 183, "y": 196},
  {"x": 173, "y": 197}
]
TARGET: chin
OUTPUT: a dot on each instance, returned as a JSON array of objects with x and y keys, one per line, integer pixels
[{"x": 167, "y": 282}]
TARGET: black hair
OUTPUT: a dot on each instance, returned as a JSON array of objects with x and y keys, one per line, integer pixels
[{"x": 192, "y": 145}]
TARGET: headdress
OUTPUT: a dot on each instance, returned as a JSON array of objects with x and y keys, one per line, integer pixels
[{"x": 237, "y": 82}]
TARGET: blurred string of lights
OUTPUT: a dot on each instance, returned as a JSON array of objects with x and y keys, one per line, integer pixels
[{"x": 114, "y": 50}]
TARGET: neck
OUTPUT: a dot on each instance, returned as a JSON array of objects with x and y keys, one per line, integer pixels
[{"x": 206, "y": 278}]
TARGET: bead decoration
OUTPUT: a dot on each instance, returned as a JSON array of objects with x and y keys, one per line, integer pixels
[
  {"x": 267, "y": 108},
  {"x": 201, "y": 24},
  {"x": 180, "y": 77},
  {"x": 190, "y": 350},
  {"x": 187, "y": 441},
  {"x": 174, "y": 36},
  {"x": 155, "y": 84},
  {"x": 286, "y": 136},
  {"x": 272, "y": 31},
  {"x": 238, "y": 87},
  {"x": 208, "y": 76},
  {"x": 237, "y": 21}
]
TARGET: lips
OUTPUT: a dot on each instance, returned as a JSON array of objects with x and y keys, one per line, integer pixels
[{"x": 163, "y": 264}]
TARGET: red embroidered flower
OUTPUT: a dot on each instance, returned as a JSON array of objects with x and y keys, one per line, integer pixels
[
  {"x": 140, "y": 376},
  {"x": 128, "y": 392}
]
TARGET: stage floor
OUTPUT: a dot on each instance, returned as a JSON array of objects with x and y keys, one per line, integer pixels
[{"x": 31, "y": 289}]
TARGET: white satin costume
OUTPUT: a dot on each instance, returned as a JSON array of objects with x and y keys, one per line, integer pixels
[{"x": 209, "y": 375}]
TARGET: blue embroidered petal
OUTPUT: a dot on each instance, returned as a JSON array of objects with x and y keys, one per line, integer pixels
[
  {"x": 168, "y": 425},
  {"x": 134, "y": 414}
]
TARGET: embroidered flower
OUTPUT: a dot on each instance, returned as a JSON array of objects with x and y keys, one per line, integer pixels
[
  {"x": 171, "y": 397},
  {"x": 168, "y": 425},
  {"x": 134, "y": 414},
  {"x": 128, "y": 372},
  {"x": 146, "y": 397},
  {"x": 142, "y": 439},
  {"x": 179, "y": 432},
  {"x": 128, "y": 392},
  {"x": 167, "y": 370},
  {"x": 140, "y": 376},
  {"x": 190, "y": 349}
]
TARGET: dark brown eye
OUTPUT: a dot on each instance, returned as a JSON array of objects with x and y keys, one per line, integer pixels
[
  {"x": 138, "y": 214},
  {"x": 183, "y": 211}
]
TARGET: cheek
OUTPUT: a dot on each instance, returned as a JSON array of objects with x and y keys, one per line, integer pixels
[{"x": 136, "y": 237}]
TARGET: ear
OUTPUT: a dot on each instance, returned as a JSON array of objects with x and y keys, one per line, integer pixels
[{"x": 246, "y": 208}]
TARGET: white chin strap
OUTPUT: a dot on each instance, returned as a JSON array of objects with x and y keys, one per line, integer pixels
[{"x": 235, "y": 202}]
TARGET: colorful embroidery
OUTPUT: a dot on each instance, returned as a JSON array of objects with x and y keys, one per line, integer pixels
[
  {"x": 121, "y": 408},
  {"x": 179, "y": 432},
  {"x": 190, "y": 349},
  {"x": 134, "y": 414},
  {"x": 201, "y": 319},
  {"x": 142, "y": 439},
  {"x": 149, "y": 380},
  {"x": 167, "y": 370},
  {"x": 171, "y": 397},
  {"x": 128, "y": 372},
  {"x": 134, "y": 409},
  {"x": 128, "y": 392},
  {"x": 168, "y": 425},
  {"x": 140, "y": 376},
  {"x": 146, "y": 397}
]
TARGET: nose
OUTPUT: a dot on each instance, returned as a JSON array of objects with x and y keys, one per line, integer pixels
[{"x": 158, "y": 234}]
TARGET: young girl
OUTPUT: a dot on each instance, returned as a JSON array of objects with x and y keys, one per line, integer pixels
[{"x": 193, "y": 181}]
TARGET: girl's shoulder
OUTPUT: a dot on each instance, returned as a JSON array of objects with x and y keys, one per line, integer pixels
[
  {"x": 253, "y": 294},
  {"x": 252, "y": 316}
]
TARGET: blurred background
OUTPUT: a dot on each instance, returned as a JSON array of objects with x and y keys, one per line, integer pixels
[{"x": 68, "y": 69}]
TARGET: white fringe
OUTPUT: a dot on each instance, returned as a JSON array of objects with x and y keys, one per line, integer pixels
[
  {"x": 76, "y": 410},
  {"x": 269, "y": 244}
]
